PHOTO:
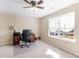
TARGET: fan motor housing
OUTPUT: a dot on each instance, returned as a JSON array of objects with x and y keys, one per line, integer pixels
[{"x": 33, "y": 3}]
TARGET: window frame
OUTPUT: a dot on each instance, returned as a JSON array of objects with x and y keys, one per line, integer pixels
[{"x": 60, "y": 38}]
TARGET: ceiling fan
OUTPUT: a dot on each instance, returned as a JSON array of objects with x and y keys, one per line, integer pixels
[{"x": 34, "y": 4}]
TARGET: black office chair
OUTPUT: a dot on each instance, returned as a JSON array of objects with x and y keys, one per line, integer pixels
[{"x": 26, "y": 37}]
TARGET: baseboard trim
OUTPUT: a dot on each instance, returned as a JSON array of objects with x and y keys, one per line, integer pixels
[
  {"x": 61, "y": 49},
  {"x": 3, "y": 44}
]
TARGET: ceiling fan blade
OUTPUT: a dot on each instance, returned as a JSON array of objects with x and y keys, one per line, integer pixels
[
  {"x": 39, "y": 7},
  {"x": 27, "y": 7},
  {"x": 28, "y": 2},
  {"x": 40, "y": 2}
]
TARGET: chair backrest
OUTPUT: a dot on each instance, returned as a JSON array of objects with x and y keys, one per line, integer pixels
[{"x": 25, "y": 35}]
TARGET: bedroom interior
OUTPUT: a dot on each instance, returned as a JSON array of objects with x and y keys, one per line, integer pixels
[{"x": 39, "y": 29}]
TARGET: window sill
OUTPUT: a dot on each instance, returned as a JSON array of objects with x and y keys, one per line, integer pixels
[{"x": 65, "y": 39}]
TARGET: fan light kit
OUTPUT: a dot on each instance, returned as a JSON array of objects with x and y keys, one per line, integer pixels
[
  {"x": 34, "y": 9},
  {"x": 34, "y": 5}
]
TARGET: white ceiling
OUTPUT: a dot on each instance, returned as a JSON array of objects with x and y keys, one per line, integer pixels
[{"x": 15, "y": 7}]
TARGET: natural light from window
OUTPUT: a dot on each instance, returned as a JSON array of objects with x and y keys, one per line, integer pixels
[
  {"x": 62, "y": 26},
  {"x": 52, "y": 53}
]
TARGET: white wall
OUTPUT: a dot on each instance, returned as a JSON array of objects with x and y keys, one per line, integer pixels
[
  {"x": 5, "y": 33},
  {"x": 71, "y": 47},
  {"x": 27, "y": 23},
  {"x": 20, "y": 22}
]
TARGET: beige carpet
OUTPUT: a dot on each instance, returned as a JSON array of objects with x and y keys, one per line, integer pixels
[{"x": 38, "y": 49}]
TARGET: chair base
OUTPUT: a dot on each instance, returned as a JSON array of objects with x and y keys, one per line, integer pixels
[{"x": 25, "y": 45}]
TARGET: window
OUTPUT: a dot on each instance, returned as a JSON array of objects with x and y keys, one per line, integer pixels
[{"x": 62, "y": 26}]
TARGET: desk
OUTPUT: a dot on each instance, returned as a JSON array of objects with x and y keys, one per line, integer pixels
[{"x": 16, "y": 38}]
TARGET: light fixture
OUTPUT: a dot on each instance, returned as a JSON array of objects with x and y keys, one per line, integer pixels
[
  {"x": 34, "y": 4},
  {"x": 34, "y": 8}
]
